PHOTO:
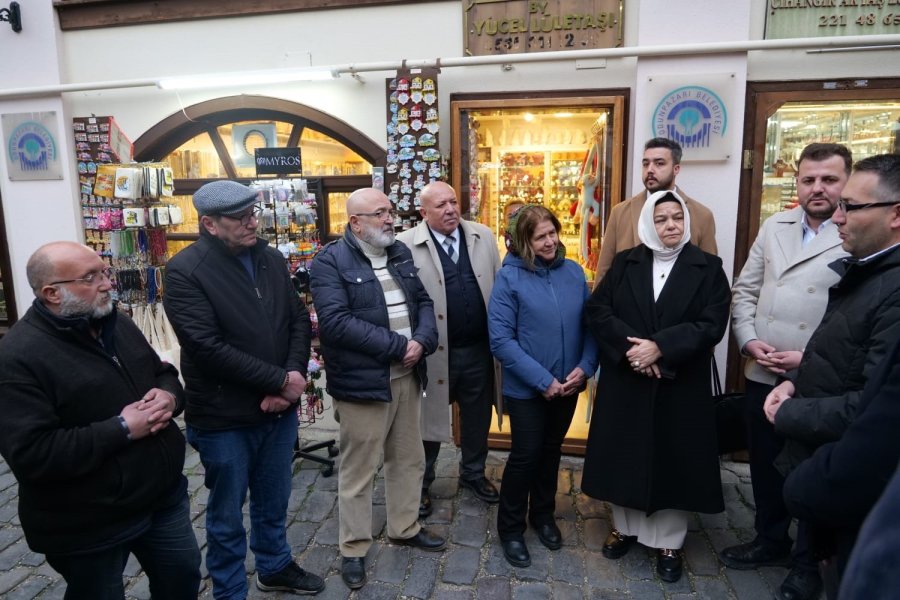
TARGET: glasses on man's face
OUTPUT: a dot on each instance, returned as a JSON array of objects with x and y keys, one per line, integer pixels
[
  {"x": 379, "y": 214},
  {"x": 847, "y": 207},
  {"x": 92, "y": 278},
  {"x": 245, "y": 218}
]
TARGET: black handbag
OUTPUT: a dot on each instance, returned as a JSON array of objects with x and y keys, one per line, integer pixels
[{"x": 731, "y": 428}]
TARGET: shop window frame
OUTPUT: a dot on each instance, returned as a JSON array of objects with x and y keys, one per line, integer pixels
[
  {"x": 206, "y": 117},
  {"x": 7, "y": 279}
]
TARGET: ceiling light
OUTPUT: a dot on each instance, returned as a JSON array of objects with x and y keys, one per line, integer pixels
[{"x": 243, "y": 78}]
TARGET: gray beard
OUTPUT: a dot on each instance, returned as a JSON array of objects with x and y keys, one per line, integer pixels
[
  {"x": 377, "y": 238},
  {"x": 73, "y": 306}
]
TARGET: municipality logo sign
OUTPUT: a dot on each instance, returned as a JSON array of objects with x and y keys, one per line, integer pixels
[
  {"x": 32, "y": 146},
  {"x": 693, "y": 116}
]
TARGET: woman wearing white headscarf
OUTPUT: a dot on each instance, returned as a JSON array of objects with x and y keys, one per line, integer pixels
[{"x": 651, "y": 451}]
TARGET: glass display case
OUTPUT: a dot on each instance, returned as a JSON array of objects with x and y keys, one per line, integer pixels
[{"x": 867, "y": 127}]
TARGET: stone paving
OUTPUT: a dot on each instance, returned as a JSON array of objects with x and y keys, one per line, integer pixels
[{"x": 472, "y": 566}]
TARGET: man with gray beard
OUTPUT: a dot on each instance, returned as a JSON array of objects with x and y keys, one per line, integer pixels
[
  {"x": 86, "y": 429},
  {"x": 376, "y": 325}
]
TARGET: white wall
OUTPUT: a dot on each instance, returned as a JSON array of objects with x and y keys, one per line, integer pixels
[{"x": 35, "y": 212}]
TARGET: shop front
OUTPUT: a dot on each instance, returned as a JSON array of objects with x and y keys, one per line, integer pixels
[
  {"x": 562, "y": 150},
  {"x": 781, "y": 119}
]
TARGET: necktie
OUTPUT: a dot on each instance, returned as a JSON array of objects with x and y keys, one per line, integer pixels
[{"x": 448, "y": 244}]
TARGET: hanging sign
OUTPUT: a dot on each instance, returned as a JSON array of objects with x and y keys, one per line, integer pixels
[
  {"x": 278, "y": 161},
  {"x": 693, "y": 110},
  {"x": 520, "y": 26},
  {"x": 32, "y": 150},
  {"x": 831, "y": 18}
]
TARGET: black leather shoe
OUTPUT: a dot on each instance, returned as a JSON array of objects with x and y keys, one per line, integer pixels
[
  {"x": 516, "y": 553},
  {"x": 424, "y": 540},
  {"x": 425, "y": 505},
  {"x": 617, "y": 545},
  {"x": 550, "y": 535},
  {"x": 668, "y": 565},
  {"x": 800, "y": 584},
  {"x": 755, "y": 554},
  {"x": 353, "y": 571},
  {"x": 483, "y": 489}
]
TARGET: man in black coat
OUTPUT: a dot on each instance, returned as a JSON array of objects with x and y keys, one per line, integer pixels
[
  {"x": 861, "y": 322},
  {"x": 836, "y": 488},
  {"x": 86, "y": 429},
  {"x": 245, "y": 345},
  {"x": 377, "y": 325}
]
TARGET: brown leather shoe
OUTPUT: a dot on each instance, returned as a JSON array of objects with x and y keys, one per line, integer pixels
[{"x": 617, "y": 544}]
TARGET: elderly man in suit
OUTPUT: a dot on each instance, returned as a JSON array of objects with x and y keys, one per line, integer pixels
[
  {"x": 659, "y": 167},
  {"x": 457, "y": 260},
  {"x": 778, "y": 301}
]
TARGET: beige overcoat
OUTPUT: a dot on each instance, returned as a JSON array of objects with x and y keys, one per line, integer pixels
[
  {"x": 621, "y": 230},
  {"x": 782, "y": 291},
  {"x": 482, "y": 247}
]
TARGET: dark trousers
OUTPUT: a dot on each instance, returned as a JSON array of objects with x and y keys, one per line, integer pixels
[
  {"x": 167, "y": 552},
  {"x": 772, "y": 517},
  {"x": 471, "y": 371},
  {"x": 537, "y": 428}
]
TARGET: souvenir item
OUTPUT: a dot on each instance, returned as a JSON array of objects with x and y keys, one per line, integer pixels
[
  {"x": 128, "y": 183},
  {"x": 431, "y": 155},
  {"x": 405, "y": 171},
  {"x": 391, "y": 167},
  {"x": 427, "y": 139},
  {"x": 134, "y": 217},
  {"x": 408, "y": 141},
  {"x": 406, "y": 154},
  {"x": 419, "y": 166},
  {"x": 402, "y": 91},
  {"x": 428, "y": 92},
  {"x": 416, "y": 90}
]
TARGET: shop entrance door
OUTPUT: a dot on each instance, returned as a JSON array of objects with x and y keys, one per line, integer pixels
[
  {"x": 560, "y": 150},
  {"x": 781, "y": 119}
]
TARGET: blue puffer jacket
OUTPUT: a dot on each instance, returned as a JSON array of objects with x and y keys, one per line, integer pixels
[
  {"x": 357, "y": 343},
  {"x": 535, "y": 326}
]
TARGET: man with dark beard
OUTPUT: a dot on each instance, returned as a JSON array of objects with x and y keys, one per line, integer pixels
[
  {"x": 376, "y": 325},
  {"x": 86, "y": 428}
]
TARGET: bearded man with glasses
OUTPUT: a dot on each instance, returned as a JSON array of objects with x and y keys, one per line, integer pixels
[
  {"x": 860, "y": 326},
  {"x": 376, "y": 325},
  {"x": 245, "y": 345},
  {"x": 86, "y": 429}
]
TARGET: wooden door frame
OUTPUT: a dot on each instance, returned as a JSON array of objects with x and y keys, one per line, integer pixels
[
  {"x": 617, "y": 100},
  {"x": 763, "y": 99}
]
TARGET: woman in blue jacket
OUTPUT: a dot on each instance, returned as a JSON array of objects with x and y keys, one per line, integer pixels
[{"x": 534, "y": 321}]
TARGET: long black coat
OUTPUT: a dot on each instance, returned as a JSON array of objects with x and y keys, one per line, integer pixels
[{"x": 652, "y": 442}]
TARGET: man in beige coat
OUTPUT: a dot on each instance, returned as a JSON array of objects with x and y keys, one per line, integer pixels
[
  {"x": 659, "y": 167},
  {"x": 779, "y": 299},
  {"x": 457, "y": 260}
]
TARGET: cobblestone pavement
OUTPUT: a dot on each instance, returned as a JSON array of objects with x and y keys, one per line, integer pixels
[{"x": 472, "y": 566}]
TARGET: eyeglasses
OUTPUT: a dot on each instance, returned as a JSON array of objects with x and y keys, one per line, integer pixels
[
  {"x": 245, "y": 218},
  {"x": 89, "y": 279},
  {"x": 846, "y": 207},
  {"x": 379, "y": 214}
]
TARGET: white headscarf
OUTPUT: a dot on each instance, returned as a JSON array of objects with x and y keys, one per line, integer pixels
[{"x": 663, "y": 257}]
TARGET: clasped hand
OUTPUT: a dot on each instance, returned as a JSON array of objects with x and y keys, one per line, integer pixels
[
  {"x": 642, "y": 356},
  {"x": 150, "y": 414},
  {"x": 573, "y": 384}
]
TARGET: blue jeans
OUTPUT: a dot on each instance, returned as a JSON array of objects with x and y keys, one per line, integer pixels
[
  {"x": 167, "y": 551},
  {"x": 257, "y": 458}
]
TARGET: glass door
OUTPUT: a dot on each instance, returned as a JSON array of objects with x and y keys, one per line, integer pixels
[{"x": 561, "y": 151}]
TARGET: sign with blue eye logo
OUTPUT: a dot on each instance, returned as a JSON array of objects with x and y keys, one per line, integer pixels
[
  {"x": 693, "y": 113},
  {"x": 32, "y": 151}
]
